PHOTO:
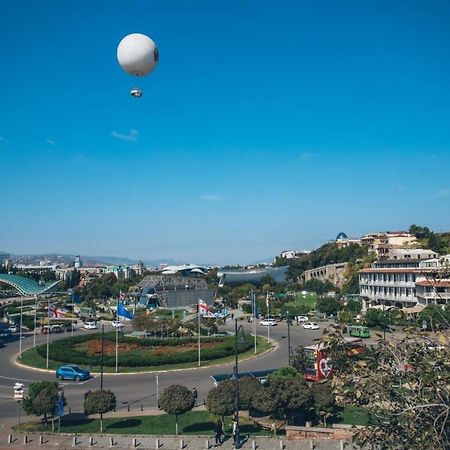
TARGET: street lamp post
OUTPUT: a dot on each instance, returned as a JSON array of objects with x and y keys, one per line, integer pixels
[
  {"x": 21, "y": 323},
  {"x": 101, "y": 359},
  {"x": 237, "y": 329},
  {"x": 288, "y": 318}
]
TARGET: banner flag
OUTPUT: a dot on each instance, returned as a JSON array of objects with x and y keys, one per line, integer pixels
[{"x": 122, "y": 311}]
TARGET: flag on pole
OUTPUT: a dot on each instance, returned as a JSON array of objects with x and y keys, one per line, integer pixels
[
  {"x": 123, "y": 312},
  {"x": 267, "y": 302},
  {"x": 203, "y": 308}
]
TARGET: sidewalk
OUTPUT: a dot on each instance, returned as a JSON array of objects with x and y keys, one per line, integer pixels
[{"x": 22, "y": 441}]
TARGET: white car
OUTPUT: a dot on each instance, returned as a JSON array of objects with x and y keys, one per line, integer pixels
[
  {"x": 302, "y": 318},
  {"x": 268, "y": 322},
  {"x": 311, "y": 326},
  {"x": 117, "y": 324},
  {"x": 90, "y": 325},
  {"x": 13, "y": 328}
]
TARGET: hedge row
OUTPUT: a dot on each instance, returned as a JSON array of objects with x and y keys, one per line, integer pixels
[{"x": 64, "y": 351}]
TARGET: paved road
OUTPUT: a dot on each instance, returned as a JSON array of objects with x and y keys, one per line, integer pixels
[{"x": 136, "y": 390}]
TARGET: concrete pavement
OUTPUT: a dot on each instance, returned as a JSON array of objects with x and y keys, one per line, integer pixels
[{"x": 165, "y": 443}]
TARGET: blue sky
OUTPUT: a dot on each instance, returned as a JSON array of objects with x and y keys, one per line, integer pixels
[{"x": 266, "y": 126}]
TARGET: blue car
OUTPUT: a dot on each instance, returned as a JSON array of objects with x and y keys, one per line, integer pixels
[{"x": 71, "y": 372}]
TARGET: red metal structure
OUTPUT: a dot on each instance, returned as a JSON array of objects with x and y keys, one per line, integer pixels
[{"x": 319, "y": 366}]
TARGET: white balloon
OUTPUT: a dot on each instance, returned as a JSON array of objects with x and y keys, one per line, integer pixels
[{"x": 137, "y": 54}]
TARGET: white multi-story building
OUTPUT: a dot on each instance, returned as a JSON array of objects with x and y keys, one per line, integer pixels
[
  {"x": 433, "y": 292},
  {"x": 382, "y": 243}
]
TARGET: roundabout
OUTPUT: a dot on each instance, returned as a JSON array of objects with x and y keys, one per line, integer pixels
[
  {"x": 138, "y": 391},
  {"x": 130, "y": 355}
]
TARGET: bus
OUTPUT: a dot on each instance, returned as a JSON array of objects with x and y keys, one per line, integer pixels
[
  {"x": 318, "y": 366},
  {"x": 359, "y": 331}
]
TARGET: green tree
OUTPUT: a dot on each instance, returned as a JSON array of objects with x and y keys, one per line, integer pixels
[
  {"x": 42, "y": 399},
  {"x": 221, "y": 400},
  {"x": 283, "y": 373},
  {"x": 176, "y": 399},
  {"x": 318, "y": 286},
  {"x": 285, "y": 396},
  {"x": 298, "y": 360},
  {"x": 353, "y": 306},
  {"x": 437, "y": 317},
  {"x": 247, "y": 388},
  {"x": 328, "y": 306},
  {"x": 324, "y": 400},
  {"x": 405, "y": 386},
  {"x": 100, "y": 402}
]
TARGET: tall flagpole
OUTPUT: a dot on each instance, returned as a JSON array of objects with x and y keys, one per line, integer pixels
[
  {"x": 73, "y": 312},
  {"x": 117, "y": 337},
  {"x": 35, "y": 313},
  {"x": 254, "y": 317},
  {"x": 268, "y": 316},
  {"x": 48, "y": 327},
  {"x": 198, "y": 313}
]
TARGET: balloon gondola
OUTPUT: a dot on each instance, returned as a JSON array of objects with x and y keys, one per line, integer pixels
[{"x": 138, "y": 55}]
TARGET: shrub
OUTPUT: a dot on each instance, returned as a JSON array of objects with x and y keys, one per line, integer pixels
[{"x": 65, "y": 350}]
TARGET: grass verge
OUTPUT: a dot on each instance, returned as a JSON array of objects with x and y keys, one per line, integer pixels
[{"x": 193, "y": 422}]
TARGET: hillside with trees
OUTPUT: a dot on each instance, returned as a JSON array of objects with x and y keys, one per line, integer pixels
[{"x": 326, "y": 254}]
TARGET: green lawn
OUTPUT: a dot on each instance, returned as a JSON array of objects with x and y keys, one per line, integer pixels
[
  {"x": 31, "y": 358},
  {"x": 193, "y": 422},
  {"x": 353, "y": 415},
  {"x": 309, "y": 299}
]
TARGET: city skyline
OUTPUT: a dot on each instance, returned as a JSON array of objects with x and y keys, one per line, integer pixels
[{"x": 262, "y": 129}]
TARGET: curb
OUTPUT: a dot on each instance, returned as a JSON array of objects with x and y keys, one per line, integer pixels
[{"x": 275, "y": 346}]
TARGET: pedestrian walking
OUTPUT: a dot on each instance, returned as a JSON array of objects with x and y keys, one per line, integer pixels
[
  {"x": 195, "y": 395},
  {"x": 234, "y": 428},
  {"x": 219, "y": 432}
]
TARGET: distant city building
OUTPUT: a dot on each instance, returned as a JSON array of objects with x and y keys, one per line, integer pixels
[
  {"x": 382, "y": 243},
  {"x": 334, "y": 273},
  {"x": 121, "y": 272},
  {"x": 292, "y": 254},
  {"x": 342, "y": 240},
  {"x": 411, "y": 253},
  {"x": 173, "y": 291},
  {"x": 183, "y": 270},
  {"x": 78, "y": 262},
  {"x": 139, "y": 268},
  {"x": 253, "y": 276}
]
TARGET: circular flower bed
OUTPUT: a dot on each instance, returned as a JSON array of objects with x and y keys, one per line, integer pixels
[{"x": 140, "y": 352}]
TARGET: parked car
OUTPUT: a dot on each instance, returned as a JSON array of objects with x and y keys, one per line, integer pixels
[
  {"x": 90, "y": 325},
  {"x": 13, "y": 328},
  {"x": 5, "y": 332},
  {"x": 69, "y": 327},
  {"x": 268, "y": 322},
  {"x": 302, "y": 318},
  {"x": 71, "y": 372},
  {"x": 311, "y": 326},
  {"x": 117, "y": 324},
  {"x": 56, "y": 329}
]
